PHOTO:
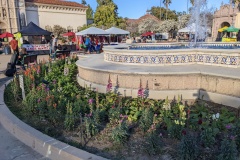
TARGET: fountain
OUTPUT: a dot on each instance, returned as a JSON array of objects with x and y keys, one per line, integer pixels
[{"x": 208, "y": 70}]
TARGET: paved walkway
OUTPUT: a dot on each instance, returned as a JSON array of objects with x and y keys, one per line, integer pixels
[
  {"x": 10, "y": 147},
  {"x": 97, "y": 62}
]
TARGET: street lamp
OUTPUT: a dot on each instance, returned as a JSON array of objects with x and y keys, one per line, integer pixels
[{"x": 233, "y": 6}]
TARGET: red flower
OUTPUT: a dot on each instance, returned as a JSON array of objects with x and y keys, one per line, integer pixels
[
  {"x": 184, "y": 132},
  {"x": 200, "y": 121}
]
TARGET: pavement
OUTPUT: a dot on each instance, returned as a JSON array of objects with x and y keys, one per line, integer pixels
[{"x": 10, "y": 147}]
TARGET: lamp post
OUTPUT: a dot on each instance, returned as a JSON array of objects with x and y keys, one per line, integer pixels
[{"x": 233, "y": 6}]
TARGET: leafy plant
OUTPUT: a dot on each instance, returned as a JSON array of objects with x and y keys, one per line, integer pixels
[
  {"x": 188, "y": 149},
  {"x": 91, "y": 128},
  {"x": 228, "y": 150},
  {"x": 153, "y": 144},
  {"x": 208, "y": 136},
  {"x": 120, "y": 133},
  {"x": 69, "y": 118},
  {"x": 146, "y": 119}
]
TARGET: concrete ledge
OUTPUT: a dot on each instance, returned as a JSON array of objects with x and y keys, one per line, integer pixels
[
  {"x": 171, "y": 94},
  {"x": 43, "y": 144}
]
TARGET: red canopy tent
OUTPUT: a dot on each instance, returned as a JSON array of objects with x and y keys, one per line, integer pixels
[
  {"x": 148, "y": 34},
  {"x": 68, "y": 34},
  {"x": 6, "y": 35}
]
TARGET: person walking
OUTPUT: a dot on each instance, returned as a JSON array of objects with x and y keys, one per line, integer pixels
[{"x": 14, "y": 46}]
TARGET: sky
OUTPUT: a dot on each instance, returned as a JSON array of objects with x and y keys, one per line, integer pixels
[{"x": 134, "y": 9}]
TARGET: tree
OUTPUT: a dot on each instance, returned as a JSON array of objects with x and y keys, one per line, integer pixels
[
  {"x": 84, "y": 2},
  {"x": 106, "y": 13},
  {"x": 183, "y": 21},
  {"x": 156, "y": 12},
  {"x": 58, "y": 30},
  {"x": 192, "y": 2},
  {"x": 148, "y": 25},
  {"x": 168, "y": 26},
  {"x": 48, "y": 28},
  {"x": 167, "y": 3},
  {"x": 89, "y": 12}
]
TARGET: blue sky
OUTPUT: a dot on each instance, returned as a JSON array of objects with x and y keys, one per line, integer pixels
[{"x": 137, "y": 8}]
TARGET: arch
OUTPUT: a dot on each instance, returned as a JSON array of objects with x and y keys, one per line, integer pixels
[{"x": 223, "y": 24}]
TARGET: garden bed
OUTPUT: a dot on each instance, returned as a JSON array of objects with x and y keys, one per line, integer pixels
[{"x": 118, "y": 127}]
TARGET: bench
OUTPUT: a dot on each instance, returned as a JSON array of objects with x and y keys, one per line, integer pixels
[
  {"x": 60, "y": 54},
  {"x": 29, "y": 59}
]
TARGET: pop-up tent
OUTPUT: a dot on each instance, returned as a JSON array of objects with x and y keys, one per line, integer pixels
[
  {"x": 92, "y": 31},
  {"x": 117, "y": 31},
  {"x": 33, "y": 30}
]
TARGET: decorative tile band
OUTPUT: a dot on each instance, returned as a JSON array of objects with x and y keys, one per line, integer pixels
[{"x": 228, "y": 60}]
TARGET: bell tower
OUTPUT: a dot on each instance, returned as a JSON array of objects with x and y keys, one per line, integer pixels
[{"x": 9, "y": 16}]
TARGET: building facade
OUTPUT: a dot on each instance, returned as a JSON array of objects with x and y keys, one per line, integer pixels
[
  {"x": 227, "y": 15},
  {"x": 16, "y": 14}
]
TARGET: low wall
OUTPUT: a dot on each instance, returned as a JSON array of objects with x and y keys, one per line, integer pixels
[
  {"x": 215, "y": 57},
  {"x": 215, "y": 88},
  {"x": 43, "y": 144}
]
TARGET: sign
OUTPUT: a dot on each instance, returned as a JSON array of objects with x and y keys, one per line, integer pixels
[
  {"x": 21, "y": 82},
  {"x": 36, "y": 47}
]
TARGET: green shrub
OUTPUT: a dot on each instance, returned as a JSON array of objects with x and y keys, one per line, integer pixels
[
  {"x": 120, "y": 133},
  {"x": 90, "y": 126},
  {"x": 153, "y": 144},
  {"x": 228, "y": 150},
  {"x": 146, "y": 119},
  {"x": 188, "y": 149},
  {"x": 208, "y": 135}
]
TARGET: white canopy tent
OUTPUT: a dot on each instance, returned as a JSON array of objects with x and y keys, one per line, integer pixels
[
  {"x": 92, "y": 31},
  {"x": 117, "y": 31}
]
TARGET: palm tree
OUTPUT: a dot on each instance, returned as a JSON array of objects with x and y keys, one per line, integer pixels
[
  {"x": 192, "y": 2},
  {"x": 167, "y": 3}
]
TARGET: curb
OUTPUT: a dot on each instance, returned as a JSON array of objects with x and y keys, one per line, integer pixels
[{"x": 43, "y": 144}]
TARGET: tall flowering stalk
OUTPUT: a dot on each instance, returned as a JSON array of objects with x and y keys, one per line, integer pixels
[
  {"x": 140, "y": 90},
  {"x": 109, "y": 85}
]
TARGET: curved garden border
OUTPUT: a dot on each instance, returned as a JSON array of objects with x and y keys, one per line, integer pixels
[{"x": 38, "y": 141}]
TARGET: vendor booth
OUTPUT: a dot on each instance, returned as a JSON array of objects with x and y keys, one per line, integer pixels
[
  {"x": 227, "y": 36},
  {"x": 117, "y": 33},
  {"x": 31, "y": 38}
]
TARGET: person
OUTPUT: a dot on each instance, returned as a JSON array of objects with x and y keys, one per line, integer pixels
[
  {"x": 43, "y": 40},
  {"x": 238, "y": 36},
  {"x": 88, "y": 45},
  {"x": 14, "y": 46},
  {"x": 53, "y": 44},
  {"x": 22, "y": 53},
  {"x": 134, "y": 40}
]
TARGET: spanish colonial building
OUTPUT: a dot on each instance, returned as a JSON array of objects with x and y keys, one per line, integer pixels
[
  {"x": 16, "y": 14},
  {"x": 227, "y": 15}
]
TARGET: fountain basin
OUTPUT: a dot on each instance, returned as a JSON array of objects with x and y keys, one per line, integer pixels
[
  {"x": 217, "y": 84},
  {"x": 216, "y": 57}
]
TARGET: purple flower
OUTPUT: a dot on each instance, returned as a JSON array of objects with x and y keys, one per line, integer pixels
[
  {"x": 232, "y": 137},
  {"x": 155, "y": 115},
  {"x": 38, "y": 71},
  {"x": 39, "y": 100},
  {"x": 160, "y": 134},
  {"x": 109, "y": 87},
  {"x": 54, "y": 81},
  {"x": 140, "y": 92},
  {"x": 47, "y": 88},
  {"x": 121, "y": 121},
  {"x": 121, "y": 115},
  {"x": 90, "y": 101},
  {"x": 228, "y": 126}
]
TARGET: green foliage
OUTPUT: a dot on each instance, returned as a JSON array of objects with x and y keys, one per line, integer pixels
[
  {"x": 208, "y": 136},
  {"x": 146, "y": 119},
  {"x": 120, "y": 133},
  {"x": 99, "y": 116},
  {"x": 69, "y": 118},
  {"x": 175, "y": 131},
  {"x": 106, "y": 15},
  {"x": 188, "y": 149},
  {"x": 153, "y": 144},
  {"x": 114, "y": 115},
  {"x": 84, "y": 2},
  {"x": 165, "y": 14},
  {"x": 58, "y": 30},
  {"x": 89, "y": 12},
  {"x": 228, "y": 150},
  {"x": 91, "y": 128}
]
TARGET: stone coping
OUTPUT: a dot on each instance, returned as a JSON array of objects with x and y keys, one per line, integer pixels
[{"x": 43, "y": 144}]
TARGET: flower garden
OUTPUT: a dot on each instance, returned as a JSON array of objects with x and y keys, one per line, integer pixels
[{"x": 119, "y": 127}]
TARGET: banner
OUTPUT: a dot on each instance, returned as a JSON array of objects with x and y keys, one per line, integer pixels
[{"x": 36, "y": 47}]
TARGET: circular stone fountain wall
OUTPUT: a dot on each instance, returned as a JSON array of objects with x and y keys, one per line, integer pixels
[
  {"x": 195, "y": 78},
  {"x": 217, "y": 57}
]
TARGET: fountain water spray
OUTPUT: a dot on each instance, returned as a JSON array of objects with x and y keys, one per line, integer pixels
[{"x": 198, "y": 21}]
